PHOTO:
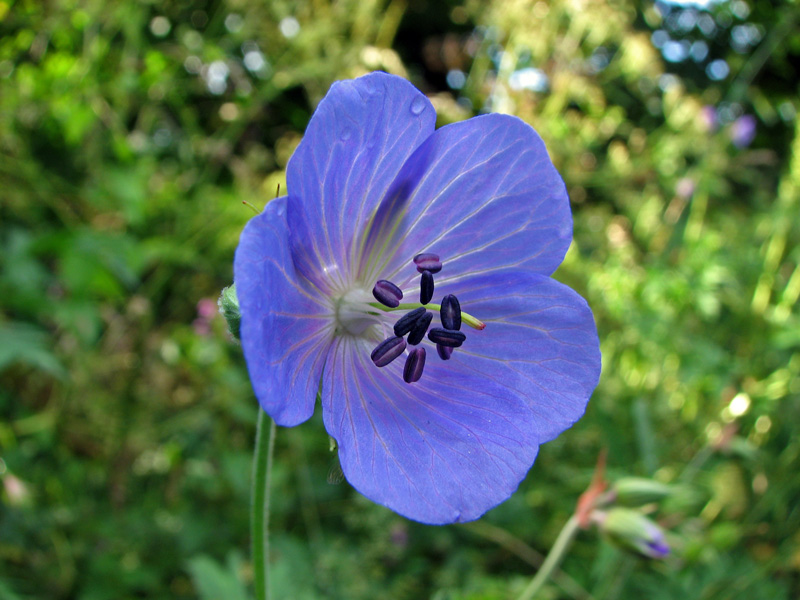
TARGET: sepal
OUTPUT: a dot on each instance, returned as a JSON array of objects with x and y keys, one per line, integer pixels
[{"x": 228, "y": 305}]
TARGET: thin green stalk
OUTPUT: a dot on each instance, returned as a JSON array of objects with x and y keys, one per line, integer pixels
[
  {"x": 259, "y": 515},
  {"x": 515, "y": 545},
  {"x": 554, "y": 558},
  {"x": 466, "y": 317}
]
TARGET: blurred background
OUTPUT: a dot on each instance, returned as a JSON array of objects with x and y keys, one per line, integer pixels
[{"x": 130, "y": 134}]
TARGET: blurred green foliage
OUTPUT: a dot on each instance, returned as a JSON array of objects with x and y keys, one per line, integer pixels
[{"x": 130, "y": 133}]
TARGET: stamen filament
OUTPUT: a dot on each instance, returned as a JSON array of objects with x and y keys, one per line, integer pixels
[{"x": 465, "y": 317}]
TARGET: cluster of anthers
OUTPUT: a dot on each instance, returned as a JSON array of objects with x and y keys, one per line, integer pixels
[{"x": 416, "y": 322}]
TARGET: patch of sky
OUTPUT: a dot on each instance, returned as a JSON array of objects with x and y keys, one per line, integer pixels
[
  {"x": 216, "y": 77},
  {"x": 668, "y": 81},
  {"x": 674, "y": 51},
  {"x": 456, "y": 79},
  {"x": 706, "y": 24},
  {"x": 254, "y": 59},
  {"x": 701, "y": 4},
  {"x": 743, "y": 37},
  {"x": 659, "y": 37},
  {"x": 717, "y": 70},
  {"x": 687, "y": 19},
  {"x": 740, "y": 8},
  {"x": 529, "y": 78},
  {"x": 234, "y": 22},
  {"x": 160, "y": 26},
  {"x": 289, "y": 27},
  {"x": 699, "y": 51},
  {"x": 599, "y": 60},
  {"x": 682, "y": 21},
  {"x": 193, "y": 64}
]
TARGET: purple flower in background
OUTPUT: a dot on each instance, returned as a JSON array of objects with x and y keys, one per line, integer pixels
[
  {"x": 356, "y": 286},
  {"x": 633, "y": 530},
  {"x": 709, "y": 119},
  {"x": 206, "y": 309},
  {"x": 743, "y": 131}
]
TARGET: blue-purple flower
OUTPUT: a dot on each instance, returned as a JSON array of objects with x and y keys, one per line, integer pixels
[
  {"x": 633, "y": 530},
  {"x": 743, "y": 131},
  {"x": 475, "y": 214}
]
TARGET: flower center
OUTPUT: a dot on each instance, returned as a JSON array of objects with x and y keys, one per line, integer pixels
[
  {"x": 355, "y": 313},
  {"x": 416, "y": 323}
]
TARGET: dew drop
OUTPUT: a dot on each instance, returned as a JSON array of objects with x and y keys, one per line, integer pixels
[
  {"x": 345, "y": 134},
  {"x": 417, "y": 105}
]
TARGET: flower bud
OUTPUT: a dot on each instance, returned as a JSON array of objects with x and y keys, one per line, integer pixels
[
  {"x": 638, "y": 491},
  {"x": 228, "y": 305},
  {"x": 633, "y": 530}
]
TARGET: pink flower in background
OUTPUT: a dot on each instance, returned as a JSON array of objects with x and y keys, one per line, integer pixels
[
  {"x": 206, "y": 309},
  {"x": 709, "y": 120}
]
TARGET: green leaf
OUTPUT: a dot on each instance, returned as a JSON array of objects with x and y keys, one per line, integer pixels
[
  {"x": 215, "y": 581},
  {"x": 27, "y": 344}
]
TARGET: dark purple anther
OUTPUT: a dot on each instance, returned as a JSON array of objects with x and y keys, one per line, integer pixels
[
  {"x": 444, "y": 352},
  {"x": 425, "y": 287},
  {"x": 406, "y": 322},
  {"x": 387, "y": 351},
  {"x": 450, "y": 313},
  {"x": 428, "y": 262},
  {"x": 414, "y": 365},
  {"x": 446, "y": 337},
  {"x": 387, "y": 293},
  {"x": 419, "y": 329}
]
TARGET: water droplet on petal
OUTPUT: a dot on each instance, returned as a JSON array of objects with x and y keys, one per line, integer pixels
[
  {"x": 417, "y": 105},
  {"x": 345, "y": 134}
]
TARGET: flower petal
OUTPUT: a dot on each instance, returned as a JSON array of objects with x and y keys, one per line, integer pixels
[
  {"x": 481, "y": 194},
  {"x": 540, "y": 343},
  {"x": 357, "y": 141},
  {"x": 286, "y": 328},
  {"x": 440, "y": 450}
]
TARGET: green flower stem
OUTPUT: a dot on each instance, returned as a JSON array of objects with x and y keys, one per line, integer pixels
[
  {"x": 259, "y": 516},
  {"x": 554, "y": 558},
  {"x": 465, "y": 317}
]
